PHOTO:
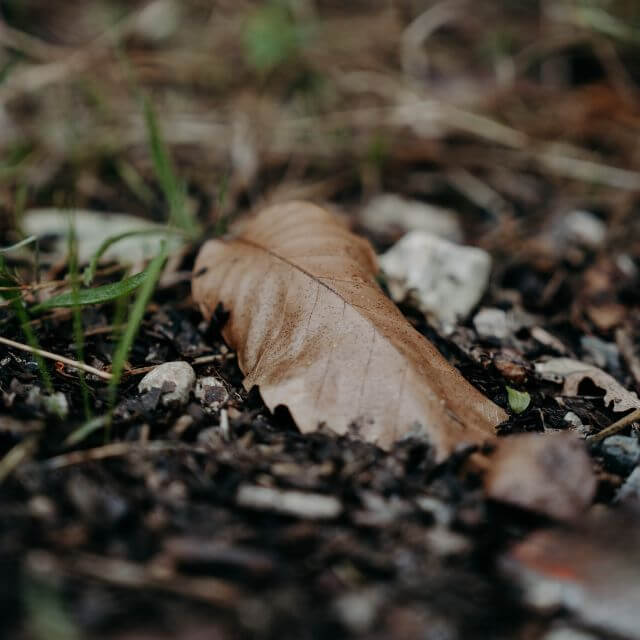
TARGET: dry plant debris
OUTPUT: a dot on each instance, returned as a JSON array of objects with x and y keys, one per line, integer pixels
[
  {"x": 315, "y": 332},
  {"x": 550, "y": 474},
  {"x": 572, "y": 373}
]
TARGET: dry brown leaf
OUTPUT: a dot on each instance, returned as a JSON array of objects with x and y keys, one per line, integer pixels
[
  {"x": 548, "y": 473},
  {"x": 573, "y": 372},
  {"x": 315, "y": 332}
]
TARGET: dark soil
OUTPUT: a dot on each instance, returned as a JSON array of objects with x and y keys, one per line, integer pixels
[{"x": 140, "y": 533}]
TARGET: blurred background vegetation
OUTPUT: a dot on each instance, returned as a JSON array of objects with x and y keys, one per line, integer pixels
[{"x": 502, "y": 109}]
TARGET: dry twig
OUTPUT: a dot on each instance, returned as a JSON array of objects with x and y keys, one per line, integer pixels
[
  {"x": 616, "y": 426},
  {"x": 105, "y": 375}
]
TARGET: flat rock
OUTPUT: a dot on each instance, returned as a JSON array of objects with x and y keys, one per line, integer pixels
[
  {"x": 549, "y": 473},
  {"x": 443, "y": 279},
  {"x": 92, "y": 228},
  {"x": 174, "y": 379}
]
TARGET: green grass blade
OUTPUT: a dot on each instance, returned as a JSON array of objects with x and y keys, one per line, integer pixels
[
  {"x": 152, "y": 275},
  {"x": 85, "y": 430},
  {"x": 173, "y": 188},
  {"x": 78, "y": 328},
  {"x": 19, "y": 245},
  {"x": 97, "y": 295}
]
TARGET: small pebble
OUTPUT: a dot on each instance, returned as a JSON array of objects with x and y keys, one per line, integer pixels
[
  {"x": 622, "y": 453},
  {"x": 56, "y": 404},
  {"x": 584, "y": 228},
  {"x": 212, "y": 393},
  {"x": 574, "y": 421},
  {"x": 178, "y": 377},
  {"x": 491, "y": 322},
  {"x": 604, "y": 354},
  {"x": 358, "y": 609}
]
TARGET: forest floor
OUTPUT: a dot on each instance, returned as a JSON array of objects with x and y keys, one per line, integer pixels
[{"x": 520, "y": 121}]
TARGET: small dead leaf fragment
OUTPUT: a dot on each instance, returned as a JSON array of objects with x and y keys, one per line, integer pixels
[
  {"x": 547, "y": 473},
  {"x": 574, "y": 372},
  {"x": 314, "y": 331}
]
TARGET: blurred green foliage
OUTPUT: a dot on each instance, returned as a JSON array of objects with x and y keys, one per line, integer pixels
[{"x": 273, "y": 36}]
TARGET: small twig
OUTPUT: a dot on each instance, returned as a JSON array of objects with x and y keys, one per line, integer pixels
[
  {"x": 28, "y": 44},
  {"x": 35, "y": 287},
  {"x": 138, "y": 371},
  {"x": 616, "y": 426},
  {"x": 478, "y": 192},
  {"x": 115, "y": 450},
  {"x": 128, "y": 575},
  {"x": 105, "y": 375},
  {"x": 97, "y": 331},
  {"x": 216, "y": 357}
]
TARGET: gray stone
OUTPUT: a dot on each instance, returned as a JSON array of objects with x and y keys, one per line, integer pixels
[
  {"x": 445, "y": 280},
  {"x": 621, "y": 452},
  {"x": 175, "y": 379},
  {"x": 491, "y": 322},
  {"x": 604, "y": 354},
  {"x": 212, "y": 393}
]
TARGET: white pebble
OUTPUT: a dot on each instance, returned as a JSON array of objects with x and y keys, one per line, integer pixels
[
  {"x": 181, "y": 374},
  {"x": 445, "y": 280},
  {"x": 212, "y": 393}
]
